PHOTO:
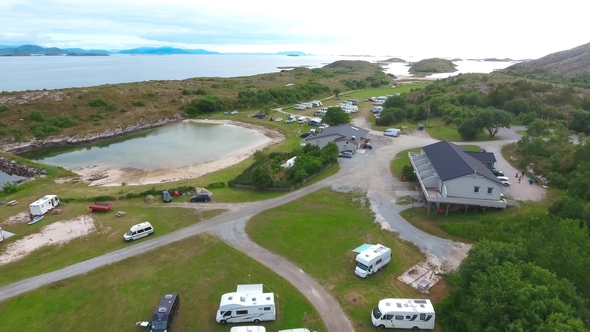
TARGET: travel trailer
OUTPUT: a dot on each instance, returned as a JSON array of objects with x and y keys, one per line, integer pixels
[
  {"x": 43, "y": 205},
  {"x": 392, "y": 132},
  {"x": 308, "y": 105},
  {"x": 320, "y": 112},
  {"x": 248, "y": 304},
  {"x": 138, "y": 231},
  {"x": 302, "y": 120},
  {"x": 404, "y": 314},
  {"x": 315, "y": 122},
  {"x": 372, "y": 260},
  {"x": 377, "y": 109},
  {"x": 165, "y": 313},
  {"x": 299, "y": 107}
]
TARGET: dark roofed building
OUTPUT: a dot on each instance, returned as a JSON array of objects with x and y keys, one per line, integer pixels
[
  {"x": 346, "y": 137},
  {"x": 449, "y": 174}
]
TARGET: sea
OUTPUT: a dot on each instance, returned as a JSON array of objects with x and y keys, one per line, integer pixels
[{"x": 58, "y": 72}]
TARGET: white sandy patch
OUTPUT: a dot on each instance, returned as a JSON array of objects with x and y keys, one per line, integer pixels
[
  {"x": 54, "y": 234},
  {"x": 116, "y": 176},
  {"x": 17, "y": 218}
]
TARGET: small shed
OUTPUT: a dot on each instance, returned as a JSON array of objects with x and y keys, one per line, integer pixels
[
  {"x": 420, "y": 126},
  {"x": 149, "y": 199}
]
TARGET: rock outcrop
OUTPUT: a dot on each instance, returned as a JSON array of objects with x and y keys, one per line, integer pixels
[
  {"x": 12, "y": 167},
  {"x": 65, "y": 140}
]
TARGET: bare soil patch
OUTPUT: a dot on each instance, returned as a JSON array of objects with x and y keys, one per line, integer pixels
[{"x": 57, "y": 233}]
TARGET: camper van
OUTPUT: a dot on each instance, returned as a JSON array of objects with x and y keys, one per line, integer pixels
[
  {"x": 392, "y": 132},
  {"x": 404, "y": 314},
  {"x": 248, "y": 304},
  {"x": 302, "y": 120},
  {"x": 138, "y": 231},
  {"x": 372, "y": 260},
  {"x": 299, "y": 107},
  {"x": 165, "y": 313},
  {"x": 308, "y": 105},
  {"x": 43, "y": 205},
  {"x": 377, "y": 109},
  {"x": 248, "y": 329}
]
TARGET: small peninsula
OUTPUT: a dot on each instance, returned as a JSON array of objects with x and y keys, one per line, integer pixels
[{"x": 432, "y": 66}]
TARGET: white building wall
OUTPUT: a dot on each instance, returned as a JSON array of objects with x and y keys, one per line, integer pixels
[{"x": 464, "y": 187}]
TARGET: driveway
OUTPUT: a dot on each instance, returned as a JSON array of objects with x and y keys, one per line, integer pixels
[{"x": 369, "y": 171}]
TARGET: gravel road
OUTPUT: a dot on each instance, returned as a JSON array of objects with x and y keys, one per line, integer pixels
[{"x": 368, "y": 172}]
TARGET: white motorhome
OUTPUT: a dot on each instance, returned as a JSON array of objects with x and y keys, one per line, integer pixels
[
  {"x": 301, "y": 120},
  {"x": 248, "y": 304},
  {"x": 308, "y": 105},
  {"x": 321, "y": 112},
  {"x": 248, "y": 329},
  {"x": 299, "y": 107},
  {"x": 138, "y": 231},
  {"x": 319, "y": 103},
  {"x": 372, "y": 260},
  {"x": 377, "y": 109},
  {"x": 43, "y": 205},
  {"x": 315, "y": 122},
  {"x": 300, "y": 329},
  {"x": 404, "y": 314}
]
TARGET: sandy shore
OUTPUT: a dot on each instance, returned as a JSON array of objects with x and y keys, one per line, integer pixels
[{"x": 133, "y": 176}]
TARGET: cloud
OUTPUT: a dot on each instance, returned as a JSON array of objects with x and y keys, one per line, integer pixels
[{"x": 457, "y": 28}]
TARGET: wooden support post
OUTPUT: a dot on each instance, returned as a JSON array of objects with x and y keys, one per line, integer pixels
[
  {"x": 428, "y": 209},
  {"x": 465, "y": 208},
  {"x": 448, "y": 209}
]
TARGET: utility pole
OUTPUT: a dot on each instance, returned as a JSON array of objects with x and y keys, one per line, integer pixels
[{"x": 428, "y": 115}]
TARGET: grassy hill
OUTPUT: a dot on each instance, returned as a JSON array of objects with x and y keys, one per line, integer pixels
[
  {"x": 567, "y": 67},
  {"x": 76, "y": 111},
  {"x": 432, "y": 66}
]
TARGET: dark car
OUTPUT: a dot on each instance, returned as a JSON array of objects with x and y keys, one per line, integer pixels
[
  {"x": 496, "y": 172},
  {"x": 345, "y": 154},
  {"x": 304, "y": 135},
  {"x": 166, "y": 197},
  {"x": 201, "y": 198}
]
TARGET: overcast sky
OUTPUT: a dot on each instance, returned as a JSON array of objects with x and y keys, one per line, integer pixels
[{"x": 452, "y": 28}]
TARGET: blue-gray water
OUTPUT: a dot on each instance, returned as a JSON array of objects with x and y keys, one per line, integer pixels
[
  {"x": 8, "y": 178},
  {"x": 175, "y": 145},
  {"x": 57, "y": 72}
]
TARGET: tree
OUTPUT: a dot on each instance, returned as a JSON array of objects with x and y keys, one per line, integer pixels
[
  {"x": 469, "y": 129},
  {"x": 538, "y": 128},
  {"x": 336, "y": 116},
  {"x": 262, "y": 175},
  {"x": 580, "y": 121},
  {"x": 492, "y": 119},
  {"x": 336, "y": 92},
  {"x": 395, "y": 102}
]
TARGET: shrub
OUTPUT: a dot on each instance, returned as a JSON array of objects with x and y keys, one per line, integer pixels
[
  {"x": 98, "y": 102},
  {"x": 36, "y": 116},
  {"x": 10, "y": 187},
  {"x": 63, "y": 121},
  {"x": 216, "y": 185},
  {"x": 4, "y": 108},
  {"x": 104, "y": 198},
  {"x": 138, "y": 103}
]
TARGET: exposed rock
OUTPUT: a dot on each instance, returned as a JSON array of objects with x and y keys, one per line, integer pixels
[
  {"x": 57, "y": 141},
  {"x": 11, "y": 167}
]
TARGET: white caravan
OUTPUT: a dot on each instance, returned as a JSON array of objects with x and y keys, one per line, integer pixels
[
  {"x": 404, "y": 314},
  {"x": 43, "y": 205},
  {"x": 247, "y": 304},
  {"x": 299, "y": 107},
  {"x": 302, "y": 120},
  {"x": 372, "y": 260},
  {"x": 248, "y": 329},
  {"x": 320, "y": 112},
  {"x": 393, "y": 132}
]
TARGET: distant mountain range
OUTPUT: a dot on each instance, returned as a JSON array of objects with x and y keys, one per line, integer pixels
[{"x": 27, "y": 50}]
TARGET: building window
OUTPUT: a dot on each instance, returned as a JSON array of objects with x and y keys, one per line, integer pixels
[
  {"x": 490, "y": 190},
  {"x": 476, "y": 189}
]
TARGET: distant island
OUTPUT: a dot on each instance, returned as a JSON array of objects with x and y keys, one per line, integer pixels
[
  {"x": 432, "y": 66},
  {"x": 394, "y": 60},
  {"x": 34, "y": 50}
]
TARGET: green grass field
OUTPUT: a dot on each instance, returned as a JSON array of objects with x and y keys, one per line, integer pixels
[
  {"x": 318, "y": 233},
  {"x": 116, "y": 296}
]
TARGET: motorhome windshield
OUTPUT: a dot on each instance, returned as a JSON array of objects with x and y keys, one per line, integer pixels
[
  {"x": 129, "y": 233},
  {"x": 363, "y": 266},
  {"x": 376, "y": 313},
  {"x": 158, "y": 325}
]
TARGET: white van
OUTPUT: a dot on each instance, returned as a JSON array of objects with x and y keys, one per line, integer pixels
[
  {"x": 392, "y": 132},
  {"x": 138, "y": 231},
  {"x": 248, "y": 329},
  {"x": 377, "y": 109},
  {"x": 302, "y": 120},
  {"x": 290, "y": 119}
]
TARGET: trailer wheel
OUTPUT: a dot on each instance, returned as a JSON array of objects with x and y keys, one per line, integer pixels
[
  {"x": 381, "y": 326},
  {"x": 257, "y": 321},
  {"x": 223, "y": 322},
  {"x": 415, "y": 328}
]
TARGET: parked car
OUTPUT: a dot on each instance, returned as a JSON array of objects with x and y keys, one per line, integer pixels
[
  {"x": 259, "y": 115},
  {"x": 203, "y": 197},
  {"x": 279, "y": 120},
  {"x": 234, "y": 112},
  {"x": 496, "y": 172},
  {"x": 166, "y": 197},
  {"x": 304, "y": 135},
  {"x": 345, "y": 154},
  {"x": 504, "y": 180}
]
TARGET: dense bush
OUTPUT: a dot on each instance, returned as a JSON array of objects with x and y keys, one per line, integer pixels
[
  {"x": 215, "y": 185},
  {"x": 204, "y": 105},
  {"x": 282, "y": 95}
]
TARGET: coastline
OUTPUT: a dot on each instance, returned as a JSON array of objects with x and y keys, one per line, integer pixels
[{"x": 135, "y": 177}]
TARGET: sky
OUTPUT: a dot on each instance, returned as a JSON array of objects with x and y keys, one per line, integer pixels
[{"x": 518, "y": 29}]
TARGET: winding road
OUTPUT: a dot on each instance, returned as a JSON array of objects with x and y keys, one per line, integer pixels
[{"x": 369, "y": 171}]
